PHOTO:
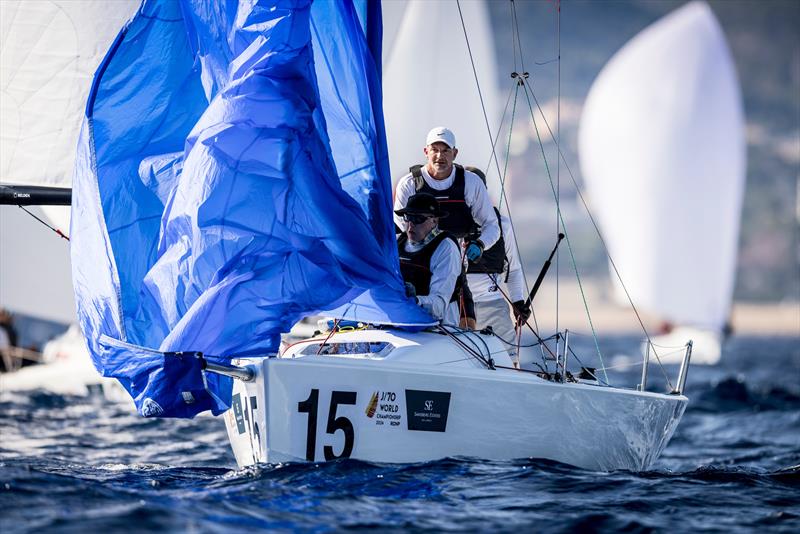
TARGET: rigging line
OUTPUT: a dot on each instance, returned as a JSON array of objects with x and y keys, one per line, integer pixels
[
  {"x": 564, "y": 226},
  {"x": 497, "y": 137},
  {"x": 524, "y": 75},
  {"x": 504, "y": 176},
  {"x": 624, "y": 365},
  {"x": 333, "y": 329},
  {"x": 489, "y": 129},
  {"x": 602, "y": 240},
  {"x": 512, "y": 343},
  {"x": 515, "y": 21},
  {"x": 467, "y": 332},
  {"x": 583, "y": 366},
  {"x": 514, "y": 35},
  {"x": 503, "y": 186},
  {"x": 558, "y": 144},
  {"x": 56, "y": 230},
  {"x": 483, "y": 107},
  {"x": 465, "y": 347},
  {"x": 467, "y": 338},
  {"x": 521, "y": 370},
  {"x": 477, "y": 83},
  {"x": 535, "y": 333}
]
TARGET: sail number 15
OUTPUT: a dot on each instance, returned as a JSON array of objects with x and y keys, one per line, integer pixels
[{"x": 311, "y": 406}]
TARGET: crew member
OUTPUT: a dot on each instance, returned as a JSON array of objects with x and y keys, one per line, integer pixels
[
  {"x": 430, "y": 260},
  {"x": 499, "y": 265},
  {"x": 471, "y": 215}
]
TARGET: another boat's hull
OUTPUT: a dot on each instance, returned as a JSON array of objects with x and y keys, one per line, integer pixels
[
  {"x": 706, "y": 346},
  {"x": 318, "y": 408},
  {"x": 67, "y": 377}
]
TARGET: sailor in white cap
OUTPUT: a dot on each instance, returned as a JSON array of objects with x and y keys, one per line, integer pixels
[{"x": 461, "y": 193}]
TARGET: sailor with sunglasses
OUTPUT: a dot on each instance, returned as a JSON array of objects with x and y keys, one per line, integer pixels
[
  {"x": 430, "y": 261},
  {"x": 471, "y": 215},
  {"x": 460, "y": 191}
]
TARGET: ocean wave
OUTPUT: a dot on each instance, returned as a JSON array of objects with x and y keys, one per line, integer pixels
[{"x": 735, "y": 394}]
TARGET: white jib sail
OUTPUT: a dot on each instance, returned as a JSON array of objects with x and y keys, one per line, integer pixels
[
  {"x": 662, "y": 150},
  {"x": 49, "y": 51},
  {"x": 428, "y": 81}
]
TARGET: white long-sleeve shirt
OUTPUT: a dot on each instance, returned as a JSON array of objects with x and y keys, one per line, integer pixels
[
  {"x": 445, "y": 268},
  {"x": 482, "y": 285},
  {"x": 475, "y": 195}
]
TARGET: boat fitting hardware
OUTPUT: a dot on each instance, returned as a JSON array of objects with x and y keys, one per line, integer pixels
[
  {"x": 684, "y": 369},
  {"x": 245, "y": 374},
  {"x": 643, "y": 384}
]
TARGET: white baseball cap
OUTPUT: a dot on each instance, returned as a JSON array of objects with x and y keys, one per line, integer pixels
[{"x": 440, "y": 134}]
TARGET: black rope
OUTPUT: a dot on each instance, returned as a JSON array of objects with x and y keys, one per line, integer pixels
[{"x": 488, "y": 363}]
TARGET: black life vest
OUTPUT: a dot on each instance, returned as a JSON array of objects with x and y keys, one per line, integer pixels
[
  {"x": 493, "y": 259},
  {"x": 459, "y": 221},
  {"x": 416, "y": 266}
]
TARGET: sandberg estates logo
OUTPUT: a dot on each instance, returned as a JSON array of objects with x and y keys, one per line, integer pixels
[{"x": 427, "y": 410}]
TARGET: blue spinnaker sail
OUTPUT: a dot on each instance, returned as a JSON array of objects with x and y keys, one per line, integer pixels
[{"x": 232, "y": 177}]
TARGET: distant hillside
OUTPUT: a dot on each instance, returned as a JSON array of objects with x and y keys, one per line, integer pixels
[{"x": 765, "y": 42}]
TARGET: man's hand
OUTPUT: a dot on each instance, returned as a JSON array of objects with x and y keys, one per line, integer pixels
[
  {"x": 411, "y": 291},
  {"x": 521, "y": 312},
  {"x": 474, "y": 250}
]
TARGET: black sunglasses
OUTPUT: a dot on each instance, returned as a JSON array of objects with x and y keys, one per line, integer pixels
[{"x": 416, "y": 218}]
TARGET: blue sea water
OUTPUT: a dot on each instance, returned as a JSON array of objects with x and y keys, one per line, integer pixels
[{"x": 81, "y": 465}]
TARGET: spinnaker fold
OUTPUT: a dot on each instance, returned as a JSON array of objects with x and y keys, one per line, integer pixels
[{"x": 231, "y": 177}]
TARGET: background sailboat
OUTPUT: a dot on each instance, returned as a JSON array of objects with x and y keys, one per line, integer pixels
[
  {"x": 428, "y": 80},
  {"x": 49, "y": 53},
  {"x": 662, "y": 151}
]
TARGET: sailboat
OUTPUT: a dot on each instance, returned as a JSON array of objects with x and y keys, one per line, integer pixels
[
  {"x": 662, "y": 150},
  {"x": 431, "y": 81},
  {"x": 232, "y": 178},
  {"x": 49, "y": 52}
]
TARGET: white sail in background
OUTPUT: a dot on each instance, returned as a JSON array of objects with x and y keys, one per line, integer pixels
[
  {"x": 428, "y": 81},
  {"x": 662, "y": 150},
  {"x": 49, "y": 51}
]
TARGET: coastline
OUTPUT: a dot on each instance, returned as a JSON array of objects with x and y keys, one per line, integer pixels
[{"x": 610, "y": 317}]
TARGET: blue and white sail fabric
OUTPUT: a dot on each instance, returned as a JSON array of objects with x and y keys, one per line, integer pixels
[{"x": 231, "y": 178}]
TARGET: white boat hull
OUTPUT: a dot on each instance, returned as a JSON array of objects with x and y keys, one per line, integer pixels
[
  {"x": 66, "y": 369},
  {"x": 314, "y": 408}
]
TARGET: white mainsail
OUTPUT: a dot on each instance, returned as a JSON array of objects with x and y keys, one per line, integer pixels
[
  {"x": 428, "y": 81},
  {"x": 662, "y": 150},
  {"x": 49, "y": 51}
]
